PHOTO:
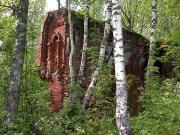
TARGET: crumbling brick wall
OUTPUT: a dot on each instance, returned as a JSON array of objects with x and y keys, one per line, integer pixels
[
  {"x": 51, "y": 58},
  {"x": 53, "y": 53}
]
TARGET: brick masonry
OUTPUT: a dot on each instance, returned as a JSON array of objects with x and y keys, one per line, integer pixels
[{"x": 53, "y": 53}]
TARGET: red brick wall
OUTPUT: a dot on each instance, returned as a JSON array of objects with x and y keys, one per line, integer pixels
[
  {"x": 53, "y": 54},
  {"x": 51, "y": 58}
]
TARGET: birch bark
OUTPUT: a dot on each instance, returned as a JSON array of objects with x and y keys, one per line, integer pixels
[
  {"x": 59, "y": 4},
  {"x": 121, "y": 92},
  {"x": 71, "y": 42},
  {"x": 104, "y": 43},
  {"x": 85, "y": 43},
  {"x": 67, "y": 3},
  {"x": 151, "y": 59},
  {"x": 12, "y": 102}
]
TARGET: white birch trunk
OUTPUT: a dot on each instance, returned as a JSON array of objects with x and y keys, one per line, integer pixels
[
  {"x": 104, "y": 43},
  {"x": 66, "y": 6},
  {"x": 121, "y": 92},
  {"x": 151, "y": 59},
  {"x": 85, "y": 43},
  {"x": 59, "y": 4},
  {"x": 71, "y": 42},
  {"x": 12, "y": 102}
]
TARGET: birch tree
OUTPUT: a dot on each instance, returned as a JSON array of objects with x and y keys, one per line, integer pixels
[
  {"x": 151, "y": 59},
  {"x": 104, "y": 43},
  {"x": 66, "y": 5},
  {"x": 71, "y": 42},
  {"x": 85, "y": 42},
  {"x": 12, "y": 102},
  {"x": 59, "y": 4},
  {"x": 121, "y": 92}
]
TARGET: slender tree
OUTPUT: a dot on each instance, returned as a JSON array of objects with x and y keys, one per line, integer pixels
[
  {"x": 121, "y": 92},
  {"x": 12, "y": 102},
  {"x": 71, "y": 42},
  {"x": 85, "y": 42},
  {"x": 71, "y": 31},
  {"x": 104, "y": 43},
  {"x": 59, "y": 4},
  {"x": 151, "y": 59},
  {"x": 67, "y": 3}
]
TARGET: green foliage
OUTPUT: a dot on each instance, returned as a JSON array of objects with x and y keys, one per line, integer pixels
[
  {"x": 96, "y": 8},
  {"x": 161, "y": 108},
  {"x": 76, "y": 89},
  {"x": 135, "y": 18},
  {"x": 7, "y": 41},
  {"x": 104, "y": 126},
  {"x": 172, "y": 56},
  {"x": 68, "y": 121},
  {"x": 35, "y": 16},
  {"x": 104, "y": 94},
  {"x": 95, "y": 33},
  {"x": 133, "y": 87},
  {"x": 34, "y": 93},
  {"x": 100, "y": 118},
  {"x": 93, "y": 55},
  {"x": 72, "y": 121},
  {"x": 168, "y": 18},
  {"x": 34, "y": 97},
  {"x": 161, "y": 103}
]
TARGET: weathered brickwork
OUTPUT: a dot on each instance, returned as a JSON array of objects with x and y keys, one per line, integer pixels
[
  {"x": 51, "y": 58},
  {"x": 53, "y": 53}
]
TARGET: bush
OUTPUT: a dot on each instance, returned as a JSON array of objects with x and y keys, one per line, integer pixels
[{"x": 161, "y": 109}]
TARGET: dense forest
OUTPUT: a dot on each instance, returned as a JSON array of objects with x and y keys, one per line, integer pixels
[{"x": 106, "y": 107}]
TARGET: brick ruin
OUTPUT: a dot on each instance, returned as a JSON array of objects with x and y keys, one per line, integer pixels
[{"x": 53, "y": 53}]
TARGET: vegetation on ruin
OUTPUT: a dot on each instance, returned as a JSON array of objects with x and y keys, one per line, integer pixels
[{"x": 159, "y": 112}]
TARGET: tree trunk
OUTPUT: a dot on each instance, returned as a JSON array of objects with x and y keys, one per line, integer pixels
[
  {"x": 59, "y": 4},
  {"x": 85, "y": 42},
  {"x": 121, "y": 92},
  {"x": 101, "y": 56},
  {"x": 67, "y": 3},
  {"x": 13, "y": 97},
  {"x": 151, "y": 59},
  {"x": 71, "y": 42},
  {"x": 71, "y": 70}
]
